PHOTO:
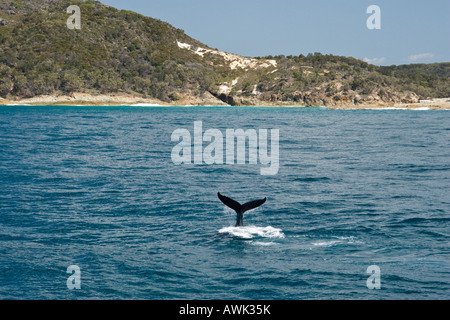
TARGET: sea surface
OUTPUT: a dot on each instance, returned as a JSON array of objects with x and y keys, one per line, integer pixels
[{"x": 96, "y": 187}]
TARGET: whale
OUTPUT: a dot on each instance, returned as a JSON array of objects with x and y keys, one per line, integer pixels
[{"x": 240, "y": 208}]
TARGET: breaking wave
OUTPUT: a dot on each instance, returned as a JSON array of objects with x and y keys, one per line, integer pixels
[{"x": 251, "y": 232}]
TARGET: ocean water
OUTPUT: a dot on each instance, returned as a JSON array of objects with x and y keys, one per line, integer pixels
[{"x": 96, "y": 187}]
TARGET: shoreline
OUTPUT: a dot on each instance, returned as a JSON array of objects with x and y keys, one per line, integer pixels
[{"x": 82, "y": 99}]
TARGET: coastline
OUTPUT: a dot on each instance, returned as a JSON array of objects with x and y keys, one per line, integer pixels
[{"x": 83, "y": 99}]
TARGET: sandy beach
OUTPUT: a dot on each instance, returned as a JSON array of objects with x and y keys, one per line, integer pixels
[{"x": 83, "y": 99}]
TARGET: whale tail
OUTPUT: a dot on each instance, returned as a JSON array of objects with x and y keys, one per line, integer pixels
[{"x": 240, "y": 208}]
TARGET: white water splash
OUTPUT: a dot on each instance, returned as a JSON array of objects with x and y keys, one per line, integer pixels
[
  {"x": 262, "y": 243},
  {"x": 339, "y": 240},
  {"x": 250, "y": 232}
]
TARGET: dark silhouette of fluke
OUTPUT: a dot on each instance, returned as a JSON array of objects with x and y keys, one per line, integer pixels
[{"x": 240, "y": 208}]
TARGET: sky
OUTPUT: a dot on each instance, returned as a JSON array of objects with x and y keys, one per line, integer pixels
[{"x": 411, "y": 31}]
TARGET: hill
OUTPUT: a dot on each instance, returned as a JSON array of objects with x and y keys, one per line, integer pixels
[{"x": 122, "y": 52}]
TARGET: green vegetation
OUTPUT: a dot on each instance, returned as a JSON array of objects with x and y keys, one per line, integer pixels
[
  {"x": 115, "y": 51},
  {"x": 328, "y": 79},
  {"x": 118, "y": 51}
]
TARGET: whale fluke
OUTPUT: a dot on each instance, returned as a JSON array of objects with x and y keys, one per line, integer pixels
[{"x": 240, "y": 208}]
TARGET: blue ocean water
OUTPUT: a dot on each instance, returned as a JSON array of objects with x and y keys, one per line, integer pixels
[{"x": 96, "y": 187}]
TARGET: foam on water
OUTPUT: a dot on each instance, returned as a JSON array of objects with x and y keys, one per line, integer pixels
[
  {"x": 336, "y": 241},
  {"x": 263, "y": 244},
  {"x": 251, "y": 232}
]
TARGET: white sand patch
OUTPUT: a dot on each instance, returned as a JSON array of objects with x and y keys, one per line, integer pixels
[
  {"x": 223, "y": 89},
  {"x": 146, "y": 105},
  {"x": 234, "y": 61}
]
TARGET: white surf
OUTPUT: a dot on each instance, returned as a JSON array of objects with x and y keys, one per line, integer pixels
[{"x": 251, "y": 232}]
